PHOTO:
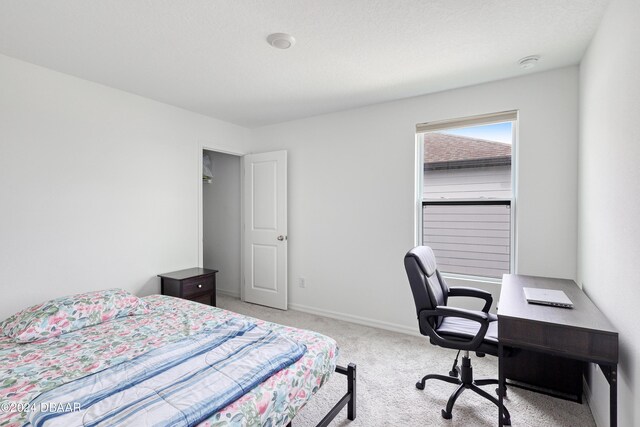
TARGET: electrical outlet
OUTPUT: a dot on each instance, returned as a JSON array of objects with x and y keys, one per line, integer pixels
[{"x": 301, "y": 282}]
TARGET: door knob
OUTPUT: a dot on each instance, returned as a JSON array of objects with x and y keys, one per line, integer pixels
[{"x": 281, "y": 237}]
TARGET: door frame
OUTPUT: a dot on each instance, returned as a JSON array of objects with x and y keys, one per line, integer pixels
[{"x": 209, "y": 147}]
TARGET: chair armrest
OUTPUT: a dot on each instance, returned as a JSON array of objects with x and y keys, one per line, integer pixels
[
  {"x": 464, "y": 291},
  {"x": 448, "y": 311},
  {"x": 477, "y": 316}
]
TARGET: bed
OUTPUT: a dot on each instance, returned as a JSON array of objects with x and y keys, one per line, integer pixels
[{"x": 32, "y": 368}]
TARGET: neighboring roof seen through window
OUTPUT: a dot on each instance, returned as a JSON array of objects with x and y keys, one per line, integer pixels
[{"x": 475, "y": 146}]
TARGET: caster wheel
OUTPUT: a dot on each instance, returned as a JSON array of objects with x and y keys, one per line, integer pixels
[
  {"x": 446, "y": 415},
  {"x": 506, "y": 422},
  {"x": 419, "y": 385},
  {"x": 498, "y": 392},
  {"x": 453, "y": 374}
]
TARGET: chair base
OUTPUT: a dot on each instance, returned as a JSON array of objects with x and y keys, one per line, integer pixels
[{"x": 465, "y": 382}]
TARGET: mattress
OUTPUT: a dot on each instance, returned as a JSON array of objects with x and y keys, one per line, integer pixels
[{"x": 26, "y": 370}]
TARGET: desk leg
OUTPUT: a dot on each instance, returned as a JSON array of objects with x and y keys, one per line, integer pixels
[
  {"x": 501, "y": 385},
  {"x": 611, "y": 374},
  {"x": 613, "y": 397}
]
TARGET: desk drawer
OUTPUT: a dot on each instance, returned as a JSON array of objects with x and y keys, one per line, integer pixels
[
  {"x": 583, "y": 344},
  {"x": 197, "y": 286}
]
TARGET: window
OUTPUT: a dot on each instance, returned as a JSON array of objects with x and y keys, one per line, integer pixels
[{"x": 467, "y": 194}]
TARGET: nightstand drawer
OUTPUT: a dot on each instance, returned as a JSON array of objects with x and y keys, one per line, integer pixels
[
  {"x": 197, "y": 286},
  {"x": 202, "y": 299}
]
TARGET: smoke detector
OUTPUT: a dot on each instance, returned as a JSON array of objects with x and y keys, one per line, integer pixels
[
  {"x": 528, "y": 62},
  {"x": 281, "y": 40}
]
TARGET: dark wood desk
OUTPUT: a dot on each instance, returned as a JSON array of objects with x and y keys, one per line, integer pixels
[{"x": 581, "y": 333}]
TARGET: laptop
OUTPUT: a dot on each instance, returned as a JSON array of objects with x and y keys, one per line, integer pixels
[{"x": 547, "y": 297}]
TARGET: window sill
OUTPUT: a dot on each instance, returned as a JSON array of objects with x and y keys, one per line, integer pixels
[{"x": 464, "y": 277}]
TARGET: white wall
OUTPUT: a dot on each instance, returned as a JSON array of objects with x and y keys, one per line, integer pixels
[
  {"x": 609, "y": 209},
  {"x": 222, "y": 220},
  {"x": 352, "y": 192},
  {"x": 98, "y": 187}
]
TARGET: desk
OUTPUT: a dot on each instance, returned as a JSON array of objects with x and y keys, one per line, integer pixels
[{"x": 581, "y": 333}]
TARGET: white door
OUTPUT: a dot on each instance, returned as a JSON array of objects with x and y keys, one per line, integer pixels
[{"x": 265, "y": 229}]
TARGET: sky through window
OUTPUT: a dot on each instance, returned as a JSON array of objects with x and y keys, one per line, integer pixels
[{"x": 500, "y": 132}]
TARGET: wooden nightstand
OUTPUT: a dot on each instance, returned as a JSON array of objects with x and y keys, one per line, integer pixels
[{"x": 194, "y": 284}]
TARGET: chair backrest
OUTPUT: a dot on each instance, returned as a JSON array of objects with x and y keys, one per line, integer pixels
[{"x": 428, "y": 287}]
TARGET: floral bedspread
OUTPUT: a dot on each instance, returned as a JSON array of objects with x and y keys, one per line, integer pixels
[{"x": 26, "y": 370}]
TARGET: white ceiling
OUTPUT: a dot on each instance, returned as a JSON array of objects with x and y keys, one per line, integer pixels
[{"x": 210, "y": 56}]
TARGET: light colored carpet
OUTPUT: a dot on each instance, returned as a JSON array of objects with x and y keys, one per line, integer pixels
[{"x": 389, "y": 364}]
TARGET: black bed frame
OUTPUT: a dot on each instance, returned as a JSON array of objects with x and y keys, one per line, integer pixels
[{"x": 348, "y": 399}]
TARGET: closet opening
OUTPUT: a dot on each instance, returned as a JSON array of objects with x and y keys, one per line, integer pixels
[{"x": 222, "y": 219}]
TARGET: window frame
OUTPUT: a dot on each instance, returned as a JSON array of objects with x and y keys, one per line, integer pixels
[{"x": 511, "y": 116}]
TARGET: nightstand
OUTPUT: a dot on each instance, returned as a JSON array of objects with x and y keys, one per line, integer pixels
[{"x": 194, "y": 284}]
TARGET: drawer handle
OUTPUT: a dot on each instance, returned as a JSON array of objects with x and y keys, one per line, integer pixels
[{"x": 200, "y": 285}]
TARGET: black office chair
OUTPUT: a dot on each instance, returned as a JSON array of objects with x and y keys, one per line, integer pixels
[{"x": 451, "y": 327}]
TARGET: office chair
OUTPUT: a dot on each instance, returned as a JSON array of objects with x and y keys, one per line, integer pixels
[{"x": 451, "y": 327}]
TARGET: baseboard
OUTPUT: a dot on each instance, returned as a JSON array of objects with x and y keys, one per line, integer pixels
[
  {"x": 235, "y": 294},
  {"x": 394, "y": 327}
]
